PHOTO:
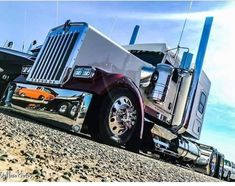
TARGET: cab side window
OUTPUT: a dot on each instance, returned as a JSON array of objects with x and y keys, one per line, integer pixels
[{"x": 202, "y": 103}]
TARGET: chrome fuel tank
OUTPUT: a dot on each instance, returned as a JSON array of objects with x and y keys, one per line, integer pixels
[{"x": 188, "y": 150}]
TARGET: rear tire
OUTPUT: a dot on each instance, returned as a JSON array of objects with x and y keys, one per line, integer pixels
[
  {"x": 73, "y": 111},
  {"x": 22, "y": 95},
  {"x": 41, "y": 98},
  {"x": 228, "y": 177},
  {"x": 120, "y": 119},
  {"x": 219, "y": 166},
  {"x": 213, "y": 164}
]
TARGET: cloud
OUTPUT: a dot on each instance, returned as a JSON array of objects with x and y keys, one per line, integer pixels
[
  {"x": 219, "y": 59},
  {"x": 147, "y": 15},
  {"x": 166, "y": 16},
  {"x": 220, "y": 116}
]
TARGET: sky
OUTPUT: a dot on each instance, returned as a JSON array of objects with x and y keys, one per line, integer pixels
[{"x": 22, "y": 22}]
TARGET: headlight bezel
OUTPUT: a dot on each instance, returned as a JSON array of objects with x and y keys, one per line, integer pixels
[{"x": 84, "y": 72}]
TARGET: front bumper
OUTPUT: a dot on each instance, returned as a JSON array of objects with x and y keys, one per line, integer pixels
[{"x": 62, "y": 108}]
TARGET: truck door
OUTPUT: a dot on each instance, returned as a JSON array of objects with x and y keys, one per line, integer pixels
[{"x": 199, "y": 107}]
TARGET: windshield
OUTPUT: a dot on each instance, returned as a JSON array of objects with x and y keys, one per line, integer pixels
[
  {"x": 50, "y": 91},
  {"x": 227, "y": 162},
  {"x": 152, "y": 58}
]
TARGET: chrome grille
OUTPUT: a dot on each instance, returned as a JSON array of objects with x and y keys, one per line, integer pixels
[{"x": 51, "y": 61}]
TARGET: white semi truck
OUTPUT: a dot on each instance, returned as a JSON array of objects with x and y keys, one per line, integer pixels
[
  {"x": 229, "y": 170},
  {"x": 140, "y": 96}
]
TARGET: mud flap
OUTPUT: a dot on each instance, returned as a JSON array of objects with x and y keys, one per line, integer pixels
[{"x": 147, "y": 143}]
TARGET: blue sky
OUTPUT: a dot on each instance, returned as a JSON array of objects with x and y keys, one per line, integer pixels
[{"x": 160, "y": 22}]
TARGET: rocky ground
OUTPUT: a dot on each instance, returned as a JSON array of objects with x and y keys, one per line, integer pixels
[{"x": 30, "y": 151}]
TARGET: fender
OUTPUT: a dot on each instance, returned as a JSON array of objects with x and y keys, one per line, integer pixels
[
  {"x": 103, "y": 82},
  {"x": 99, "y": 85}
]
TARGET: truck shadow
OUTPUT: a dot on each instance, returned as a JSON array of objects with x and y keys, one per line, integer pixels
[{"x": 55, "y": 126}]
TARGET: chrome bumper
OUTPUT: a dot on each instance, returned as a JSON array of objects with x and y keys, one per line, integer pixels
[{"x": 62, "y": 108}]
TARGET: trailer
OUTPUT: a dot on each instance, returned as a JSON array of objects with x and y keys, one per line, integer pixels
[{"x": 144, "y": 97}]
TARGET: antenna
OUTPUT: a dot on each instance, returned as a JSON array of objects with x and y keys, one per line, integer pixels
[
  {"x": 24, "y": 25},
  {"x": 57, "y": 12},
  {"x": 185, "y": 21},
  {"x": 113, "y": 26},
  {"x": 182, "y": 32}
]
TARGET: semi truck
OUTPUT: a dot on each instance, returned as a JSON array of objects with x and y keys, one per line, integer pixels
[
  {"x": 211, "y": 161},
  {"x": 229, "y": 170},
  {"x": 11, "y": 63},
  {"x": 143, "y": 97}
]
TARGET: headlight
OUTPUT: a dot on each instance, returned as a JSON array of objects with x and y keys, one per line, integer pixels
[
  {"x": 84, "y": 72},
  {"x": 26, "y": 69}
]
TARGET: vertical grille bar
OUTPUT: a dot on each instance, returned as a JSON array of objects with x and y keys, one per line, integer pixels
[
  {"x": 38, "y": 61},
  {"x": 46, "y": 52},
  {"x": 66, "y": 56},
  {"x": 47, "y": 59},
  {"x": 51, "y": 58},
  {"x": 63, "y": 56},
  {"x": 58, "y": 57}
]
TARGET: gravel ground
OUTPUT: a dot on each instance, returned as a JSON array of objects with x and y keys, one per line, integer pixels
[{"x": 30, "y": 151}]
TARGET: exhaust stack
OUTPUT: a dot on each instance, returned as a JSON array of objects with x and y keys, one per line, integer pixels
[
  {"x": 201, "y": 52},
  {"x": 197, "y": 69},
  {"x": 134, "y": 35}
]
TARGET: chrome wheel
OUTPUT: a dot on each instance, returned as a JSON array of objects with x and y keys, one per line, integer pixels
[
  {"x": 63, "y": 108},
  {"x": 73, "y": 111},
  {"x": 122, "y": 116},
  {"x": 41, "y": 98},
  {"x": 213, "y": 164},
  {"x": 22, "y": 94}
]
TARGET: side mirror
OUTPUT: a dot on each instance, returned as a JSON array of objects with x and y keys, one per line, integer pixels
[
  {"x": 31, "y": 46},
  {"x": 146, "y": 74},
  {"x": 9, "y": 44},
  {"x": 34, "y": 42}
]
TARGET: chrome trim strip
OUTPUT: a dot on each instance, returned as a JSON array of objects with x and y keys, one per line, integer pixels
[
  {"x": 70, "y": 41},
  {"x": 38, "y": 62},
  {"x": 59, "y": 54},
  {"x": 48, "y": 57}
]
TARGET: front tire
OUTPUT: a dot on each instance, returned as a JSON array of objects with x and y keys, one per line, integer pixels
[
  {"x": 22, "y": 95},
  {"x": 64, "y": 108},
  {"x": 213, "y": 164},
  {"x": 41, "y": 98},
  {"x": 119, "y": 118},
  {"x": 73, "y": 111}
]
